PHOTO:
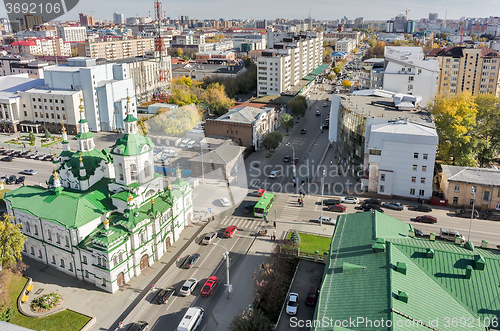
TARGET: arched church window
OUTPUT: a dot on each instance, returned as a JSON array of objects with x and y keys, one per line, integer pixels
[
  {"x": 133, "y": 171},
  {"x": 147, "y": 171},
  {"x": 120, "y": 171}
]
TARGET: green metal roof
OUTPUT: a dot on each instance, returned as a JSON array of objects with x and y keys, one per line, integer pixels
[
  {"x": 84, "y": 135},
  {"x": 91, "y": 161},
  {"x": 69, "y": 209},
  {"x": 132, "y": 144},
  {"x": 130, "y": 118},
  {"x": 319, "y": 69},
  {"x": 309, "y": 77},
  {"x": 436, "y": 287},
  {"x": 123, "y": 195}
]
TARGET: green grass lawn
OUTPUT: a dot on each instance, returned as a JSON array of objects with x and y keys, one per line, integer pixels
[
  {"x": 309, "y": 243},
  {"x": 65, "y": 320},
  {"x": 52, "y": 142}
]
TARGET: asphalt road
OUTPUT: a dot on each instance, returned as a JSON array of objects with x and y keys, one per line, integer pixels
[{"x": 43, "y": 168}]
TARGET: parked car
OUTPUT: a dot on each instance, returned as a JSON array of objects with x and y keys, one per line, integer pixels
[
  {"x": 210, "y": 286},
  {"x": 40, "y": 157},
  {"x": 424, "y": 208},
  {"x": 369, "y": 206},
  {"x": 248, "y": 208},
  {"x": 225, "y": 202},
  {"x": 20, "y": 179},
  {"x": 16, "y": 154},
  {"x": 11, "y": 179},
  {"x": 394, "y": 205},
  {"x": 32, "y": 155},
  {"x": 209, "y": 237},
  {"x": 188, "y": 287},
  {"x": 331, "y": 202},
  {"x": 191, "y": 260},
  {"x": 24, "y": 154},
  {"x": 303, "y": 131},
  {"x": 3, "y": 178},
  {"x": 230, "y": 230},
  {"x": 327, "y": 220},
  {"x": 312, "y": 296},
  {"x": 338, "y": 208},
  {"x": 426, "y": 219},
  {"x": 273, "y": 174},
  {"x": 467, "y": 213},
  {"x": 165, "y": 294},
  {"x": 7, "y": 159},
  {"x": 138, "y": 326},
  {"x": 373, "y": 201},
  {"x": 261, "y": 192},
  {"x": 292, "y": 304},
  {"x": 353, "y": 200},
  {"x": 287, "y": 158},
  {"x": 418, "y": 233},
  {"x": 48, "y": 157}
]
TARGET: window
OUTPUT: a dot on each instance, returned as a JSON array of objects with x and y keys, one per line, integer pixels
[
  {"x": 414, "y": 167},
  {"x": 413, "y": 179},
  {"x": 412, "y": 191},
  {"x": 70, "y": 266},
  {"x": 425, "y": 156},
  {"x": 382, "y": 177},
  {"x": 58, "y": 116},
  {"x": 47, "y": 115},
  {"x": 98, "y": 260},
  {"x": 498, "y": 195},
  {"x": 36, "y": 114},
  {"x": 44, "y": 100},
  {"x": 104, "y": 282},
  {"x": 486, "y": 196},
  {"x": 49, "y": 235},
  {"x": 64, "y": 117},
  {"x": 41, "y": 115},
  {"x": 115, "y": 260},
  {"x": 147, "y": 171},
  {"x": 36, "y": 230},
  {"x": 28, "y": 230},
  {"x": 67, "y": 241},
  {"x": 53, "y": 259},
  {"x": 381, "y": 188},
  {"x": 58, "y": 238},
  {"x": 56, "y": 100},
  {"x": 52, "y": 116},
  {"x": 62, "y": 101},
  {"x": 62, "y": 263},
  {"x": 62, "y": 108},
  {"x": 424, "y": 168},
  {"x": 421, "y": 192},
  {"x": 34, "y": 99},
  {"x": 471, "y": 202},
  {"x": 142, "y": 238},
  {"x": 457, "y": 188},
  {"x": 39, "y": 253},
  {"x": 84, "y": 261},
  {"x": 455, "y": 200},
  {"x": 415, "y": 155},
  {"x": 32, "y": 251},
  {"x": 86, "y": 274}
]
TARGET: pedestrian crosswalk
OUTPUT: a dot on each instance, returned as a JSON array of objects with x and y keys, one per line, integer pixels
[{"x": 245, "y": 223}]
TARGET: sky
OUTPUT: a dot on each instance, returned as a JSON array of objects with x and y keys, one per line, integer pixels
[{"x": 290, "y": 9}]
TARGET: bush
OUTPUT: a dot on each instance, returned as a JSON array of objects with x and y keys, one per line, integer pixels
[
  {"x": 7, "y": 314},
  {"x": 250, "y": 320},
  {"x": 295, "y": 238}
]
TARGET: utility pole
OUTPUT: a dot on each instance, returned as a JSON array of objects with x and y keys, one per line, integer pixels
[
  {"x": 202, "y": 166},
  {"x": 474, "y": 189},
  {"x": 226, "y": 256},
  {"x": 322, "y": 194}
]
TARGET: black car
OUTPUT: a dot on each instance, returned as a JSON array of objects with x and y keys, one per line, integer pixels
[
  {"x": 164, "y": 294},
  {"x": 303, "y": 131},
  {"x": 296, "y": 160},
  {"x": 48, "y": 157},
  {"x": 331, "y": 202},
  {"x": 191, "y": 260},
  {"x": 423, "y": 208},
  {"x": 373, "y": 201},
  {"x": 7, "y": 159},
  {"x": 369, "y": 206},
  {"x": 325, "y": 125},
  {"x": 20, "y": 179},
  {"x": 11, "y": 179},
  {"x": 24, "y": 154},
  {"x": 248, "y": 208},
  {"x": 418, "y": 233},
  {"x": 138, "y": 326},
  {"x": 286, "y": 159}
]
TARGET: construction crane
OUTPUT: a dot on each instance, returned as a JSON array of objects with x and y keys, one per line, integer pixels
[
  {"x": 406, "y": 12},
  {"x": 462, "y": 33},
  {"x": 162, "y": 67}
]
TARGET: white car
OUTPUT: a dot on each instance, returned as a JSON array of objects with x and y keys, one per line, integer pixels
[
  {"x": 29, "y": 172},
  {"x": 188, "y": 287},
  {"x": 293, "y": 304},
  {"x": 327, "y": 220},
  {"x": 318, "y": 113},
  {"x": 209, "y": 237},
  {"x": 325, "y": 105},
  {"x": 273, "y": 174},
  {"x": 349, "y": 200},
  {"x": 225, "y": 202}
]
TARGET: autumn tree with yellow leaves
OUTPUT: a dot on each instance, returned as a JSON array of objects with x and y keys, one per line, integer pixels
[{"x": 11, "y": 241}]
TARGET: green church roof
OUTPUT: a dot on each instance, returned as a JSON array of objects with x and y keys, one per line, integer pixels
[
  {"x": 91, "y": 161},
  {"x": 130, "y": 118},
  {"x": 84, "y": 135},
  {"x": 132, "y": 144}
]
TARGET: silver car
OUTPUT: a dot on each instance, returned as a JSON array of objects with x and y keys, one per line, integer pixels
[
  {"x": 209, "y": 237},
  {"x": 188, "y": 287}
]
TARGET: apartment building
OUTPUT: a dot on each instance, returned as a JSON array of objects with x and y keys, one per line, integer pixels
[
  {"x": 72, "y": 33},
  {"x": 41, "y": 46},
  {"x": 406, "y": 71},
  {"x": 45, "y": 33},
  {"x": 371, "y": 75},
  {"x": 290, "y": 57},
  {"x": 249, "y": 42},
  {"x": 345, "y": 45},
  {"x": 111, "y": 48},
  {"x": 468, "y": 69}
]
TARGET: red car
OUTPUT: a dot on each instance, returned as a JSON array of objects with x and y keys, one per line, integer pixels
[
  {"x": 427, "y": 219},
  {"x": 209, "y": 286},
  {"x": 338, "y": 208},
  {"x": 230, "y": 231},
  {"x": 261, "y": 192}
]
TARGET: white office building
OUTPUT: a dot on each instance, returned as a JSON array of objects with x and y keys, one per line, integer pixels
[
  {"x": 406, "y": 71},
  {"x": 72, "y": 33},
  {"x": 346, "y": 45},
  {"x": 104, "y": 87}
]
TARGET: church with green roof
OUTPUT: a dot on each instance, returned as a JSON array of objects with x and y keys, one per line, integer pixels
[{"x": 106, "y": 215}]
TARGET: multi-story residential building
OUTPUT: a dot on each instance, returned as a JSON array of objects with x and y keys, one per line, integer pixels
[
  {"x": 104, "y": 87},
  {"x": 335, "y": 35},
  {"x": 86, "y": 20},
  {"x": 247, "y": 126},
  {"x": 345, "y": 45},
  {"x": 289, "y": 58},
  {"x": 249, "y": 42},
  {"x": 406, "y": 71},
  {"x": 455, "y": 39},
  {"x": 118, "y": 18},
  {"x": 112, "y": 48},
  {"x": 388, "y": 139},
  {"x": 19, "y": 65},
  {"x": 460, "y": 183},
  {"x": 41, "y": 46},
  {"x": 72, "y": 33},
  {"x": 30, "y": 34},
  {"x": 399, "y": 24},
  {"x": 31, "y": 21},
  {"x": 468, "y": 69},
  {"x": 371, "y": 75},
  {"x": 106, "y": 215}
]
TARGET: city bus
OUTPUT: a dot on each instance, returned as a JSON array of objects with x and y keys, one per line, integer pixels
[{"x": 264, "y": 204}]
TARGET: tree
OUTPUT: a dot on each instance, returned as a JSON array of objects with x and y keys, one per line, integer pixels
[
  {"x": 47, "y": 134},
  {"x": 346, "y": 84},
  {"x": 487, "y": 131},
  {"x": 330, "y": 77},
  {"x": 455, "y": 116},
  {"x": 295, "y": 238},
  {"x": 31, "y": 137},
  {"x": 250, "y": 320},
  {"x": 297, "y": 108},
  {"x": 179, "y": 52},
  {"x": 187, "y": 81},
  {"x": 216, "y": 99},
  {"x": 272, "y": 141},
  {"x": 11, "y": 241},
  {"x": 174, "y": 122},
  {"x": 302, "y": 99},
  {"x": 286, "y": 122},
  {"x": 354, "y": 51},
  {"x": 336, "y": 70}
]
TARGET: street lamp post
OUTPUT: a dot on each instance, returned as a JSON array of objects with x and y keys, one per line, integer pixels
[
  {"x": 293, "y": 159},
  {"x": 472, "y": 214},
  {"x": 202, "y": 166},
  {"x": 322, "y": 192},
  {"x": 226, "y": 255}
]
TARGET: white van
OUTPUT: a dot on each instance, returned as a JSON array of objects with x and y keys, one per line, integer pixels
[
  {"x": 450, "y": 235},
  {"x": 192, "y": 319},
  {"x": 184, "y": 142},
  {"x": 191, "y": 144}
]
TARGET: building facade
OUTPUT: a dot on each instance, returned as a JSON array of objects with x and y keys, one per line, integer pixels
[
  {"x": 345, "y": 45},
  {"x": 72, "y": 33},
  {"x": 106, "y": 215},
  {"x": 111, "y": 48}
]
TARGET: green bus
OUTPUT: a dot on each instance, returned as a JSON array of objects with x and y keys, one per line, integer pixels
[{"x": 264, "y": 204}]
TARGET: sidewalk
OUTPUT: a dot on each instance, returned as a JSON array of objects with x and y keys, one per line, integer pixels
[{"x": 87, "y": 299}]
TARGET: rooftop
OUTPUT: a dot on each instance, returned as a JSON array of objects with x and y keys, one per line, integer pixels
[
  {"x": 222, "y": 155},
  {"x": 244, "y": 114},
  {"x": 479, "y": 176},
  {"x": 10, "y": 85}
]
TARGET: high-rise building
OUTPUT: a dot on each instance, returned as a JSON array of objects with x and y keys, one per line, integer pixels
[
  {"x": 72, "y": 33},
  {"x": 433, "y": 16},
  {"x": 86, "y": 20},
  {"x": 400, "y": 24},
  {"x": 32, "y": 20},
  {"x": 118, "y": 18},
  {"x": 410, "y": 26},
  {"x": 261, "y": 24},
  {"x": 468, "y": 69}
]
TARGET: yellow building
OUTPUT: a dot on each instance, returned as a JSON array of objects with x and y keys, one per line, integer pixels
[
  {"x": 467, "y": 69},
  {"x": 458, "y": 185}
]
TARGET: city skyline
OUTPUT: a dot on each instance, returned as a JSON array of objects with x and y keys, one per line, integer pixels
[{"x": 320, "y": 10}]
